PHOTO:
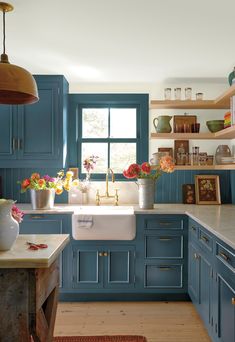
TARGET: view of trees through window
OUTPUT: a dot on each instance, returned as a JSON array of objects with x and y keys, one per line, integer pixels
[{"x": 111, "y": 134}]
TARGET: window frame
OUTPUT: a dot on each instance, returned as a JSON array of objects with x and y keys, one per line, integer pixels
[{"x": 79, "y": 101}]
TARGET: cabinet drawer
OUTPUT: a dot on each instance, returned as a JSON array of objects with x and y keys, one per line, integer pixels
[
  {"x": 163, "y": 246},
  {"x": 164, "y": 276},
  {"x": 164, "y": 222},
  {"x": 205, "y": 240},
  {"x": 226, "y": 256}
]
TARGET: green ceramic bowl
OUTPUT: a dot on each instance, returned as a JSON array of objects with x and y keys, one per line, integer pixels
[{"x": 215, "y": 125}]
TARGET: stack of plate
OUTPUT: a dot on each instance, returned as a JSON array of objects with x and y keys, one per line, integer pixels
[{"x": 227, "y": 160}]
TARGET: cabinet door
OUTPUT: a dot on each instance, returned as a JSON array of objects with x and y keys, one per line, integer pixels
[
  {"x": 225, "y": 310},
  {"x": 119, "y": 266},
  {"x": 193, "y": 273},
  {"x": 87, "y": 267},
  {"x": 39, "y": 125},
  {"x": 205, "y": 289},
  {"x": 8, "y": 134}
]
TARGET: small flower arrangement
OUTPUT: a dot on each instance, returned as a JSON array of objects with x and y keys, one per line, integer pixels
[
  {"x": 17, "y": 214},
  {"x": 89, "y": 165},
  {"x": 46, "y": 182},
  {"x": 144, "y": 170}
]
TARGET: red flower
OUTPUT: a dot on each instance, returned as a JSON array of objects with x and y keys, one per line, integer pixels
[
  {"x": 146, "y": 168},
  {"x": 25, "y": 184},
  {"x": 133, "y": 171}
]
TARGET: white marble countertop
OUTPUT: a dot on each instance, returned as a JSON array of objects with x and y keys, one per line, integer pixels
[
  {"x": 218, "y": 219},
  {"x": 19, "y": 256}
]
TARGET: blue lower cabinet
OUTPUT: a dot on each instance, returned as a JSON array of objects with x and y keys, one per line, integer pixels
[
  {"x": 225, "y": 310},
  {"x": 164, "y": 276},
  {"x": 193, "y": 273},
  {"x": 50, "y": 224},
  {"x": 103, "y": 266}
]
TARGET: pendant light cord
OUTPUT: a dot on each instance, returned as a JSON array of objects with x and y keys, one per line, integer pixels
[{"x": 4, "y": 32}]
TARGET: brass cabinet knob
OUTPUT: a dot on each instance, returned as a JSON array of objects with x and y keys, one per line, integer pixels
[
  {"x": 105, "y": 254},
  {"x": 196, "y": 256},
  {"x": 233, "y": 301},
  {"x": 101, "y": 254}
]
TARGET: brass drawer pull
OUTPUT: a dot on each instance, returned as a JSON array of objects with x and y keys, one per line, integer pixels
[
  {"x": 224, "y": 256},
  {"x": 165, "y": 223},
  {"x": 163, "y": 268},
  {"x": 193, "y": 228},
  {"x": 196, "y": 256},
  {"x": 165, "y": 239},
  {"x": 233, "y": 301},
  {"x": 203, "y": 238},
  {"x": 35, "y": 217}
]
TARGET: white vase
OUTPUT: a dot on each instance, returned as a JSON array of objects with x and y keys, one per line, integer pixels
[{"x": 9, "y": 227}]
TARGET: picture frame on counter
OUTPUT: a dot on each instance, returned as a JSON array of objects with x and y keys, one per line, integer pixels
[
  {"x": 188, "y": 194},
  {"x": 207, "y": 189}
]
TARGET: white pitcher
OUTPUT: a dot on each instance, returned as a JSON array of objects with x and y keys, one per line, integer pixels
[{"x": 9, "y": 227}]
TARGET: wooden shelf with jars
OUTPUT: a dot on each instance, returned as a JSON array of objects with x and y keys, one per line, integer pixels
[
  {"x": 221, "y": 102},
  {"x": 227, "y": 133},
  {"x": 201, "y": 167}
]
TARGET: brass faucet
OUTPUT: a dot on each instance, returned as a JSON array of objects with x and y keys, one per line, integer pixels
[{"x": 98, "y": 196}]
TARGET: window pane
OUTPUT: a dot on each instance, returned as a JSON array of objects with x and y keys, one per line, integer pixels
[
  {"x": 97, "y": 149},
  {"x": 95, "y": 122},
  {"x": 122, "y": 155},
  {"x": 122, "y": 122}
]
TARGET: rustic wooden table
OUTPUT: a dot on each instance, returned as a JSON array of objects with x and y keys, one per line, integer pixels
[{"x": 29, "y": 282}]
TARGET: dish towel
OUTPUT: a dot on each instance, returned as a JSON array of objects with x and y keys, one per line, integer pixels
[{"x": 85, "y": 221}]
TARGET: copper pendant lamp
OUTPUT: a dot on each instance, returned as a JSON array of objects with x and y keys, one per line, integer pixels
[{"x": 17, "y": 85}]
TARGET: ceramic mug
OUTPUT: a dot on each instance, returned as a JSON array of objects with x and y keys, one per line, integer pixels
[{"x": 157, "y": 156}]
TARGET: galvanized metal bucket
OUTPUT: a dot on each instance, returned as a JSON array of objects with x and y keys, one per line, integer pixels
[
  {"x": 146, "y": 193},
  {"x": 42, "y": 199}
]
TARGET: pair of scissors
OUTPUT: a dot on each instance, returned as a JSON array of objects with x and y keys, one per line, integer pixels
[{"x": 36, "y": 246}]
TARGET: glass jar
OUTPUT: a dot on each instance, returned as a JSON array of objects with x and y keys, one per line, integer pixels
[
  {"x": 167, "y": 93},
  {"x": 177, "y": 93},
  {"x": 199, "y": 96},
  {"x": 188, "y": 93}
]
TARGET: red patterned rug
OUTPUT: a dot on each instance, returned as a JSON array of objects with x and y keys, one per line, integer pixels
[{"x": 118, "y": 338}]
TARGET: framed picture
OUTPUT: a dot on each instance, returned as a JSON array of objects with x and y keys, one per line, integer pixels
[
  {"x": 166, "y": 149},
  {"x": 182, "y": 123},
  {"x": 207, "y": 189},
  {"x": 181, "y": 148},
  {"x": 188, "y": 193}
]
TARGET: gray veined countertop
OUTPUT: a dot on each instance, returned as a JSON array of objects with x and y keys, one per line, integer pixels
[{"x": 218, "y": 219}]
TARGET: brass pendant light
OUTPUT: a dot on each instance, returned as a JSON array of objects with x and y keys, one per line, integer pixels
[{"x": 17, "y": 85}]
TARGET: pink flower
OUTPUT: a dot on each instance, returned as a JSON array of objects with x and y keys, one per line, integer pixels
[
  {"x": 146, "y": 168},
  {"x": 133, "y": 171},
  {"x": 17, "y": 214}
]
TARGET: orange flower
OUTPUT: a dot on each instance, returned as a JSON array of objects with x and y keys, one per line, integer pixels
[
  {"x": 35, "y": 176},
  {"x": 59, "y": 190},
  {"x": 41, "y": 182},
  {"x": 166, "y": 164}
]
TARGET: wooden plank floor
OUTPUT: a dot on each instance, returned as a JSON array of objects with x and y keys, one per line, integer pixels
[{"x": 158, "y": 321}]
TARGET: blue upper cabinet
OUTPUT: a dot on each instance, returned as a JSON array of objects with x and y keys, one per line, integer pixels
[{"x": 35, "y": 135}]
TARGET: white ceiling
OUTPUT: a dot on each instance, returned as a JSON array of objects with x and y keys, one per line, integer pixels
[{"x": 122, "y": 40}]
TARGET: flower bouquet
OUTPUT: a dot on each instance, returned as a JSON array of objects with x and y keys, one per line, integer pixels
[
  {"x": 43, "y": 188},
  {"x": 146, "y": 179}
]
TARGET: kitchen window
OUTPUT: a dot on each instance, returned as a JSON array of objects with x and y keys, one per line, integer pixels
[{"x": 113, "y": 127}]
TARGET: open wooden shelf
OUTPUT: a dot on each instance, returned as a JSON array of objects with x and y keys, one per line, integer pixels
[
  {"x": 202, "y": 167},
  {"x": 221, "y": 102},
  {"x": 227, "y": 133}
]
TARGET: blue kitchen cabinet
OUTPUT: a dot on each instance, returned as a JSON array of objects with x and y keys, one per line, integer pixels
[
  {"x": 50, "y": 224},
  {"x": 103, "y": 266},
  {"x": 35, "y": 135},
  {"x": 193, "y": 273},
  {"x": 162, "y": 255}
]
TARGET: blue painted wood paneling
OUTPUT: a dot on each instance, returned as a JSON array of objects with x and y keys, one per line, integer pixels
[
  {"x": 169, "y": 186},
  {"x": 232, "y": 180}
]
